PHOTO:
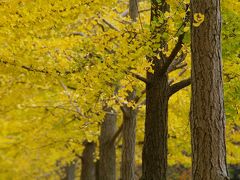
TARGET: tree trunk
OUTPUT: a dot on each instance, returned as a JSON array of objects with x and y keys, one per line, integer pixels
[
  {"x": 129, "y": 139},
  {"x": 107, "y": 161},
  {"x": 133, "y": 9},
  {"x": 156, "y": 129},
  {"x": 70, "y": 172},
  {"x": 88, "y": 166},
  {"x": 156, "y": 125},
  {"x": 207, "y": 105},
  {"x": 129, "y": 121}
]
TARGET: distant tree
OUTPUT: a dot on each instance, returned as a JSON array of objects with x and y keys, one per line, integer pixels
[
  {"x": 88, "y": 169},
  {"x": 107, "y": 150},
  {"x": 129, "y": 121}
]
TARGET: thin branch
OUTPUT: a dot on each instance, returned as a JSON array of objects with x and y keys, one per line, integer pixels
[
  {"x": 110, "y": 25},
  {"x": 144, "y": 10},
  {"x": 182, "y": 72},
  {"x": 178, "y": 86},
  {"x": 176, "y": 49},
  {"x": 28, "y": 68},
  {"x": 139, "y": 97},
  {"x": 186, "y": 19},
  {"x": 125, "y": 13},
  {"x": 176, "y": 62},
  {"x": 170, "y": 81},
  {"x": 141, "y": 103},
  {"x": 71, "y": 87},
  {"x": 70, "y": 98},
  {"x": 77, "y": 34},
  {"x": 174, "y": 52},
  {"x": 139, "y": 77},
  {"x": 122, "y": 21},
  {"x": 178, "y": 46},
  {"x": 180, "y": 66},
  {"x": 31, "y": 69},
  {"x": 118, "y": 139}
]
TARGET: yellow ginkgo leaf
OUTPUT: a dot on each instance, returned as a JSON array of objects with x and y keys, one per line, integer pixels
[
  {"x": 198, "y": 19},
  {"x": 186, "y": 29}
]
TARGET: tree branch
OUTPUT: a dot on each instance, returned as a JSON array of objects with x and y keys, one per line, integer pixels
[
  {"x": 28, "y": 68},
  {"x": 110, "y": 25},
  {"x": 139, "y": 97},
  {"x": 176, "y": 49},
  {"x": 143, "y": 79},
  {"x": 141, "y": 103},
  {"x": 31, "y": 69},
  {"x": 178, "y": 86},
  {"x": 182, "y": 72},
  {"x": 176, "y": 62},
  {"x": 174, "y": 52},
  {"x": 180, "y": 66},
  {"x": 178, "y": 46},
  {"x": 72, "y": 102},
  {"x": 126, "y": 12},
  {"x": 170, "y": 81},
  {"x": 77, "y": 34}
]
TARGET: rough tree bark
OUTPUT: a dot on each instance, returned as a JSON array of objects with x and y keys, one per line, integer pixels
[
  {"x": 155, "y": 141},
  {"x": 207, "y": 105},
  {"x": 129, "y": 139},
  {"x": 107, "y": 161},
  {"x": 88, "y": 171}
]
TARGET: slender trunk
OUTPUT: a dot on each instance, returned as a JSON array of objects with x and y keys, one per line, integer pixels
[
  {"x": 133, "y": 9},
  {"x": 129, "y": 139},
  {"x": 128, "y": 144},
  {"x": 207, "y": 105},
  {"x": 156, "y": 123},
  {"x": 107, "y": 161},
  {"x": 129, "y": 121},
  {"x": 70, "y": 172},
  {"x": 88, "y": 166}
]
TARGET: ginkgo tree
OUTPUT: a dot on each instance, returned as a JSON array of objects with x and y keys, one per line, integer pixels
[
  {"x": 62, "y": 61},
  {"x": 51, "y": 58}
]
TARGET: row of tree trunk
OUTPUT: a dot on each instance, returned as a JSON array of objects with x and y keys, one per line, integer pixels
[{"x": 207, "y": 117}]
